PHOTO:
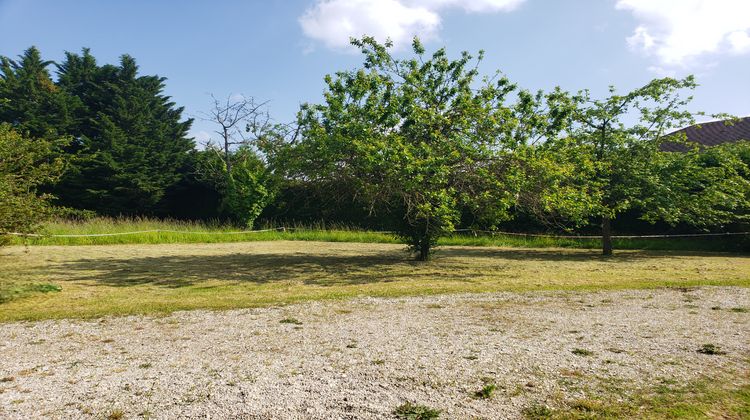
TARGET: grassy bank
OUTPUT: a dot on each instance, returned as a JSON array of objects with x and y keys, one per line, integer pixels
[
  {"x": 87, "y": 282},
  {"x": 195, "y": 232},
  {"x": 717, "y": 398}
]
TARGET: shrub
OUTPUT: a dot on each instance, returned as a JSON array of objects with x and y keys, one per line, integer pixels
[{"x": 25, "y": 165}]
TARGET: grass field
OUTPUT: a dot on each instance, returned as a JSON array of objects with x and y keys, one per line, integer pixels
[
  {"x": 84, "y": 282},
  {"x": 198, "y": 232}
]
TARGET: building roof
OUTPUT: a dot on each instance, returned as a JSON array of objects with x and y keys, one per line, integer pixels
[{"x": 712, "y": 133}]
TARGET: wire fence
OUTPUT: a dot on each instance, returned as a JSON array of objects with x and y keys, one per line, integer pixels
[{"x": 475, "y": 232}]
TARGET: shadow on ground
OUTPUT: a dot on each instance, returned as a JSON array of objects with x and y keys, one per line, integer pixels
[{"x": 456, "y": 264}]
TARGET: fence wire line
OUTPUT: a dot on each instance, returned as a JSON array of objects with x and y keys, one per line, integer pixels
[
  {"x": 285, "y": 229},
  {"x": 90, "y": 235},
  {"x": 540, "y": 235}
]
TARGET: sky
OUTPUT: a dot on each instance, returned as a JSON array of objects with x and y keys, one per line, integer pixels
[{"x": 280, "y": 50}]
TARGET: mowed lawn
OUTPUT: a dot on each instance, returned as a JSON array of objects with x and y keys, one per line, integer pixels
[{"x": 41, "y": 282}]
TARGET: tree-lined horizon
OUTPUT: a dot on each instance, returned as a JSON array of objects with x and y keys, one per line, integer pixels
[{"x": 421, "y": 145}]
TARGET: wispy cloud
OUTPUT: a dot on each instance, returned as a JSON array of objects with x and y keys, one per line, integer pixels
[
  {"x": 334, "y": 22},
  {"x": 680, "y": 33}
]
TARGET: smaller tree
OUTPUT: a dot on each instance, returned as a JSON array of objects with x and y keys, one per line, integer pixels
[
  {"x": 615, "y": 150},
  {"x": 234, "y": 164},
  {"x": 24, "y": 166},
  {"x": 241, "y": 120},
  {"x": 246, "y": 187}
]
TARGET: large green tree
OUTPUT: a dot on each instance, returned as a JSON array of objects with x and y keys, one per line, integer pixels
[
  {"x": 130, "y": 139},
  {"x": 619, "y": 165},
  {"x": 419, "y": 139}
]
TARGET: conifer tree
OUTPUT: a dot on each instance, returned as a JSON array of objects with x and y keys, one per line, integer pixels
[
  {"x": 131, "y": 140},
  {"x": 29, "y": 99}
]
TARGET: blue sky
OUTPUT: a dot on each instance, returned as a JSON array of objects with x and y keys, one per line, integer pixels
[{"x": 279, "y": 50}]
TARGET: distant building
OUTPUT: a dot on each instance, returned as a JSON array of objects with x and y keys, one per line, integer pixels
[{"x": 712, "y": 134}]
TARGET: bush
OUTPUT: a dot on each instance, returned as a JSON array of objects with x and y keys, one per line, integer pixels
[{"x": 25, "y": 165}]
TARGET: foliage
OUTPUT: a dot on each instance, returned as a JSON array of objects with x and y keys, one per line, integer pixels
[
  {"x": 487, "y": 391},
  {"x": 29, "y": 99},
  {"x": 244, "y": 182},
  {"x": 614, "y": 150},
  {"x": 128, "y": 138},
  {"x": 130, "y": 141},
  {"x": 418, "y": 141},
  {"x": 25, "y": 164}
]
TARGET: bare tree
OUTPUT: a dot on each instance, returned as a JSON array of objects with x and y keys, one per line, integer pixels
[{"x": 240, "y": 119}]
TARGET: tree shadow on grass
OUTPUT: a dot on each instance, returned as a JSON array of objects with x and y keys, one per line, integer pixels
[
  {"x": 189, "y": 270},
  {"x": 455, "y": 264}
]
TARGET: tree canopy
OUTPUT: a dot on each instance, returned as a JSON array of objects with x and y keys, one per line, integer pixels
[{"x": 420, "y": 139}]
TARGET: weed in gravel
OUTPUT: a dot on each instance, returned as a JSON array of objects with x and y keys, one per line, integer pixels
[
  {"x": 486, "y": 392},
  {"x": 741, "y": 310},
  {"x": 116, "y": 415},
  {"x": 537, "y": 411},
  {"x": 351, "y": 346},
  {"x": 471, "y": 357},
  {"x": 145, "y": 365},
  {"x": 582, "y": 352},
  {"x": 571, "y": 372},
  {"x": 409, "y": 411},
  {"x": 434, "y": 306},
  {"x": 294, "y": 321},
  {"x": 711, "y": 349},
  {"x": 586, "y": 405},
  {"x": 378, "y": 362}
]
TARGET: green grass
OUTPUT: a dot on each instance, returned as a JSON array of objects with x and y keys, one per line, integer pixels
[
  {"x": 714, "y": 398},
  {"x": 199, "y": 232},
  {"x": 95, "y": 281},
  {"x": 409, "y": 411},
  {"x": 187, "y": 232}
]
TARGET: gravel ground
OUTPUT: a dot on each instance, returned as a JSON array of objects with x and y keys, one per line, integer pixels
[{"x": 363, "y": 358}]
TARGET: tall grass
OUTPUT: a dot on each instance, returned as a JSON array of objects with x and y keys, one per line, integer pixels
[
  {"x": 141, "y": 231},
  {"x": 176, "y": 231}
]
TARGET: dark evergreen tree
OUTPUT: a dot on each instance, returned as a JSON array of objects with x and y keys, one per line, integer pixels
[
  {"x": 130, "y": 138},
  {"x": 29, "y": 99}
]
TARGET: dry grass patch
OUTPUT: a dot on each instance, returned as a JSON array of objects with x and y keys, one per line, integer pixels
[{"x": 94, "y": 281}]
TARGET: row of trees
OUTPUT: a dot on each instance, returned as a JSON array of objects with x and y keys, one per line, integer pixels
[
  {"x": 418, "y": 145},
  {"x": 423, "y": 140}
]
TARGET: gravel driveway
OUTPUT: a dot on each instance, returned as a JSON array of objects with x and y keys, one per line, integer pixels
[{"x": 365, "y": 357}]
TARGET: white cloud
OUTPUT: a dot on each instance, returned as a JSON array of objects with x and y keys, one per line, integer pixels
[
  {"x": 333, "y": 22},
  {"x": 679, "y": 32}
]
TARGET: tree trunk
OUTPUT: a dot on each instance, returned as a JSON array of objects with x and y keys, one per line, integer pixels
[
  {"x": 606, "y": 236},
  {"x": 424, "y": 250},
  {"x": 227, "y": 156}
]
